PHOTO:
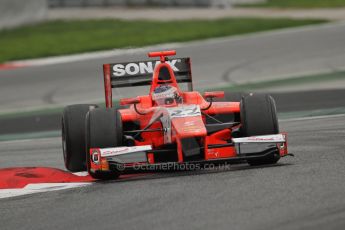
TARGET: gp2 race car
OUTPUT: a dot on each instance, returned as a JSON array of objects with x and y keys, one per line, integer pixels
[{"x": 168, "y": 126}]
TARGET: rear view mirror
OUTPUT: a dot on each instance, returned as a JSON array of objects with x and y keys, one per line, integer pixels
[
  {"x": 129, "y": 101},
  {"x": 214, "y": 94}
]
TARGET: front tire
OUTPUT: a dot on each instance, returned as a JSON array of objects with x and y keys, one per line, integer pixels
[
  {"x": 103, "y": 130},
  {"x": 259, "y": 117},
  {"x": 73, "y": 136}
]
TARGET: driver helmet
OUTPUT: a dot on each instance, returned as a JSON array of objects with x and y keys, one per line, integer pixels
[{"x": 166, "y": 95}]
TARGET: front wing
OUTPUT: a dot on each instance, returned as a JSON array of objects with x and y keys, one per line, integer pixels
[{"x": 137, "y": 158}]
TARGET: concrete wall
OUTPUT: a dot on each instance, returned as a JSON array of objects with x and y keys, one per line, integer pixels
[
  {"x": 200, "y": 3},
  {"x": 19, "y": 12}
]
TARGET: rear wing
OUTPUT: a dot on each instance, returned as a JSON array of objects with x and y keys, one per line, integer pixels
[{"x": 129, "y": 74}]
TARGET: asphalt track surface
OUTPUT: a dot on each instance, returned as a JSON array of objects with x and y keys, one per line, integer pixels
[{"x": 303, "y": 192}]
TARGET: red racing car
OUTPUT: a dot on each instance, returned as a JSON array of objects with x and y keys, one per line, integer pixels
[{"x": 169, "y": 126}]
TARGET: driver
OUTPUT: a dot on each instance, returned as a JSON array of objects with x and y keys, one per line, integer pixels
[{"x": 166, "y": 95}]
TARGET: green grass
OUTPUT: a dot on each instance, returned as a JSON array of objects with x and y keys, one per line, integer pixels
[
  {"x": 300, "y": 4},
  {"x": 68, "y": 37}
]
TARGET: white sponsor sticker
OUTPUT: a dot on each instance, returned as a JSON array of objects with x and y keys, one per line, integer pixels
[
  {"x": 184, "y": 111},
  {"x": 108, "y": 152},
  {"x": 120, "y": 70},
  {"x": 276, "y": 138}
]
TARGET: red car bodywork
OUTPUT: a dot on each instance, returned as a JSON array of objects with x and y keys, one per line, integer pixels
[{"x": 215, "y": 145}]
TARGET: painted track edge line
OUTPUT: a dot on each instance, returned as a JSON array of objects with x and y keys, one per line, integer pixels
[
  {"x": 40, "y": 188},
  {"x": 311, "y": 118}
]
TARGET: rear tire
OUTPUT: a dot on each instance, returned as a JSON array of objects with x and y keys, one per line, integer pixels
[
  {"x": 73, "y": 136},
  {"x": 259, "y": 117},
  {"x": 103, "y": 130}
]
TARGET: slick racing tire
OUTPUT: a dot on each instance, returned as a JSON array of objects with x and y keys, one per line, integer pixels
[
  {"x": 259, "y": 117},
  {"x": 73, "y": 136},
  {"x": 103, "y": 130}
]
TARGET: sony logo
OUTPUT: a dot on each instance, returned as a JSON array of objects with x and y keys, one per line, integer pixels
[{"x": 120, "y": 70}]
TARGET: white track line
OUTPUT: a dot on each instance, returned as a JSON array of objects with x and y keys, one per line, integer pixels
[
  {"x": 39, "y": 188},
  {"x": 91, "y": 55},
  {"x": 312, "y": 118}
]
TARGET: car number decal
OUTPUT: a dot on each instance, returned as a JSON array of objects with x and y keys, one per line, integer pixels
[{"x": 184, "y": 111}]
